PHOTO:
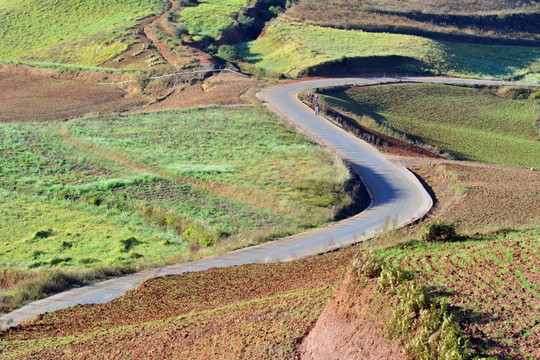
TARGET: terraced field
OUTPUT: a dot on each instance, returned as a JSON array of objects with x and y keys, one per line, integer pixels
[
  {"x": 470, "y": 21},
  {"x": 495, "y": 125},
  {"x": 491, "y": 282}
]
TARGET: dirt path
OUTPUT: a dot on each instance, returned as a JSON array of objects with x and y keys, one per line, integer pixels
[
  {"x": 205, "y": 60},
  {"x": 415, "y": 162},
  {"x": 168, "y": 55}
]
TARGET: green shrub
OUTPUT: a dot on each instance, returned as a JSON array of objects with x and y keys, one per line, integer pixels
[
  {"x": 188, "y": 3},
  {"x": 43, "y": 234},
  {"x": 128, "y": 244},
  {"x": 228, "y": 53},
  {"x": 180, "y": 31},
  {"x": 367, "y": 264},
  {"x": 438, "y": 231},
  {"x": 390, "y": 278}
]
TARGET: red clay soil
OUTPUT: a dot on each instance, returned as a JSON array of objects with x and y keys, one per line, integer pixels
[
  {"x": 169, "y": 55},
  {"x": 34, "y": 98},
  {"x": 350, "y": 327},
  {"x": 258, "y": 311}
]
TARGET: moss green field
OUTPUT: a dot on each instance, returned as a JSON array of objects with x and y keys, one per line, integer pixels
[
  {"x": 209, "y": 17},
  {"x": 82, "y": 32},
  {"x": 480, "y": 124},
  {"x": 133, "y": 191},
  {"x": 292, "y": 48}
]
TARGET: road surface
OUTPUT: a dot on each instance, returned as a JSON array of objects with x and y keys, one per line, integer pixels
[{"x": 397, "y": 198}]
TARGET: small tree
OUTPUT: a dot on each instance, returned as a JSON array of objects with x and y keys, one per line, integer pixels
[
  {"x": 228, "y": 53},
  {"x": 180, "y": 31},
  {"x": 439, "y": 230}
]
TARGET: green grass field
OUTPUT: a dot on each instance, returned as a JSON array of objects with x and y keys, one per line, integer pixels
[
  {"x": 489, "y": 280},
  {"x": 211, "y": 16},
  {"x": 476, "y": 21},
  {"x": 481, "y": 124},
  {"x": 82, "y": 32},
  {"x": 132, "y": 191},
  {"x": 291, "y": 48},
  {"x": 40, "y": 232}
]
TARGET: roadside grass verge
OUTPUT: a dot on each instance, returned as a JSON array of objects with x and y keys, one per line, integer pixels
[
  {"x": 494, "y": 125},
  {"x": 76, "y": 31},
  {"x": 209, "y": 17},
  {"x": 293, "y": 49}
]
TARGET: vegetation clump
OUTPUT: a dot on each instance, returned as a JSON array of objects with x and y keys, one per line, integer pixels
[
  {"x": 428, "y": 330},
  {"x": 438, "y": 231}
]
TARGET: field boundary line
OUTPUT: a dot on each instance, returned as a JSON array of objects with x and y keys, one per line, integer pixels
[{"x": 176, "y": 74}]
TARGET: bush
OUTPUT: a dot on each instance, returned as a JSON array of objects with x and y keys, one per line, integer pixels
[
  {"x": 439, "y": 231},
  {"x": 276, "y": 10},
  {"x": 180, "y": 31},
  {"x": 187, "y": 3},
  {"x": 228, "y": 53},
  {"x": 368, "y": 265},
  {"x": 128, "y": 244}
]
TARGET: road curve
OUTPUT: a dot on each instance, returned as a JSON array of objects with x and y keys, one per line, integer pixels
[{"x": 396, "y": 195}]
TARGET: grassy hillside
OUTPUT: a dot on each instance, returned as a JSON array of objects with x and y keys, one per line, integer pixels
[
  {"x": 480, "y": 124},
  {"x": 138, "y": 189},
  {"x": 209, "y": 17},
  {"x": 292, "y": 48},
  {"x": 477, "y": 21},
  {"x": 84, "y": 32}
]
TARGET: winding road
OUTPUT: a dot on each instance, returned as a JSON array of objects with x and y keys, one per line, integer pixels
[{"x": 396, "y": 196}]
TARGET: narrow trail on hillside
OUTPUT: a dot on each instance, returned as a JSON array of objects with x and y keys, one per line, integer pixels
[
  {"x": 205, "y": 60},
  {"x": 165, "y": 52}
]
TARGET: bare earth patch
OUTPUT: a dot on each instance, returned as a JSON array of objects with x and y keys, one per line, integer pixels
[
  {"x": 350, "y": 327},
  {"x": 222, "y": 89},
  {"x": 29, "y": 98},
  {"x": 495, "y": 198}
]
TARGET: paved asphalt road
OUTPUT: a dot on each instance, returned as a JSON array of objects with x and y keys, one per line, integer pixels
[{"x": 395, "y": 193}]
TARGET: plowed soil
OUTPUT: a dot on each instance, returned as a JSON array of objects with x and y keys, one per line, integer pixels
[
  {"x": 495, "y": 198},
  {"x": 33, "y": 98},
  {"x": 257, "y": 311}
]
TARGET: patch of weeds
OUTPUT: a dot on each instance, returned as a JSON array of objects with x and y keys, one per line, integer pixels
[{"x": 127, "y": 244}]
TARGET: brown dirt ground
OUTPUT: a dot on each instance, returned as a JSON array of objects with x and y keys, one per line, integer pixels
[
  {"x": 497, "y": 198},
  {"x": 35, "y": 98},
  {"x": 259, "y": 311},
  {"x": 221, "y": 89},
  {"x": 350, "y": 328}
]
